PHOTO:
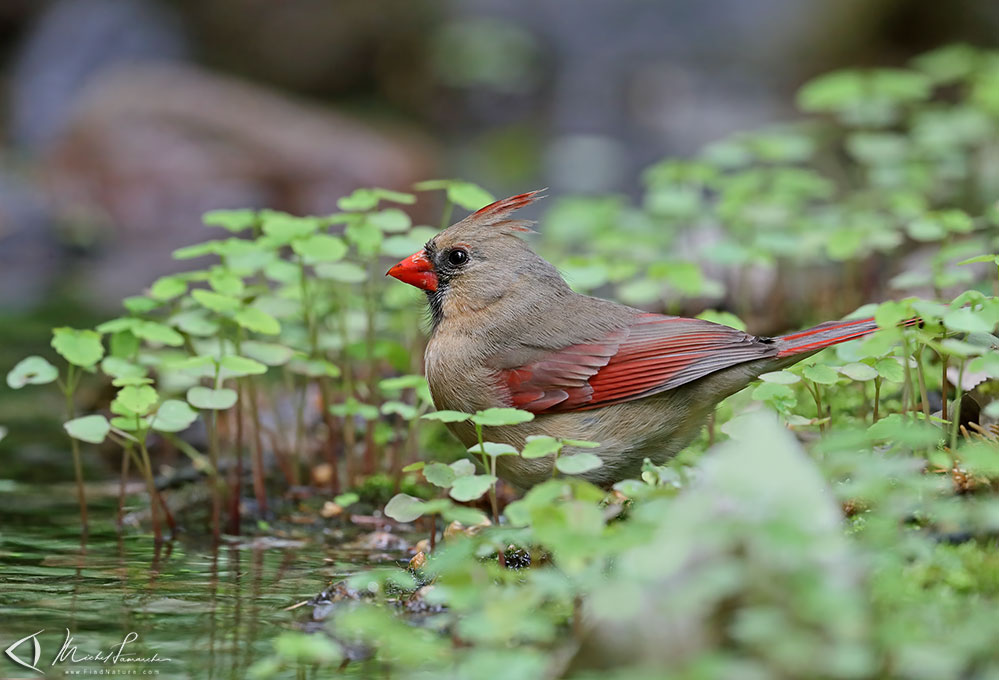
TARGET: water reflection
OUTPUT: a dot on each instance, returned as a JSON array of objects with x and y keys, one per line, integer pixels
[{"x": 212, "y": 612}]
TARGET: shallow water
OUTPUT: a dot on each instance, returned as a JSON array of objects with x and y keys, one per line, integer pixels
[{"x": 191, "y": 611}]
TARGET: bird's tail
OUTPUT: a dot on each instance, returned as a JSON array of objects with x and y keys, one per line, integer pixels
[{"x": 825, "y": 335}]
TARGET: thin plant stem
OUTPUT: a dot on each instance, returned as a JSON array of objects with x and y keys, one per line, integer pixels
[
  {"x": 154, "y": 506},
  {"x": 923, "y": 395},
  {"x": 943, "y": 385},
  {"x": 72, "y": 379},
  {"x": 877, "y": 398},
  {"x": 121, "y": 488},
  {"x": 958, "y": 396}
]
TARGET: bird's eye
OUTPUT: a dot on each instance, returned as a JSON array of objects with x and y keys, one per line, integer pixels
[{"x": 457, "y": 257}]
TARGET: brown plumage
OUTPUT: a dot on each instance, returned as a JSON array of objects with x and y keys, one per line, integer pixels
[{"x": 508, "y": 331}]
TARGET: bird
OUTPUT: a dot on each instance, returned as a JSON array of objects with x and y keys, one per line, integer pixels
[{"x": 506, "y": 330}]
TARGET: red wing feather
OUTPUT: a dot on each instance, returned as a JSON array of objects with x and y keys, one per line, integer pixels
[{"x": 654, "y": 354}]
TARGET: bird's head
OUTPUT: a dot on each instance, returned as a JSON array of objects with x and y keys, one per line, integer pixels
[{"x": 477, "y": 261}]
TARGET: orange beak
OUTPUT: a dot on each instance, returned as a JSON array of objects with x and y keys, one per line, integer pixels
[{"x": 416, "y": 270}]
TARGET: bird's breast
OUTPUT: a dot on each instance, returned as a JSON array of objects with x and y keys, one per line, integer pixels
[{"x": 458, "y": 377}]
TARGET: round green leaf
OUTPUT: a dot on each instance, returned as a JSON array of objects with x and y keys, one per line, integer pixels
[
  {"x": 578, "y": 463},
  {"x": 92, "y": 429},
  {"x": 134, "y": 400},
  {"x": 119, "y": 368},
  {"x": 258, "y": 321},
  {"x": 78, "y": 347},
  {"x": 493, "y": 417},
  {"x": 821, "y": 374},
  {"x": 174, "y": 415},
  {"x": 237, "y": 367},
  {"x": 33, "y": 370},
  {"x": 215, "y": 301},
  {"x": 314, "y": 368},
  {"x": 319, "y": 248},
  {"x": 230, "y": 220},
  {"x": 859, "y": 372},
  {"x": 167, "y": 288},
  {"x": 493, "y": 449},
  {"x": 343, "y": 272},
  {"x": 447, "y": 416},
  {"x": 539, "y": 446},
  {"x": 267, "y": 353},
  {"x": 780, "y": 377},
  {"x": 404, "y": 508},
  {"x": 158, "y": 333},
  {"x": 225, "y": 282},
  {"x": 390, "y": 220},
  {"x": 207, "y": 398},
  {"x": 471, "y": 487},
  {"x": 439, "y": 474},
  {"x": 463, "y": 467}
]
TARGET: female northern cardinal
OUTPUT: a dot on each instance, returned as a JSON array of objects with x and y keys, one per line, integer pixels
[{"x": 508, "y": 331}]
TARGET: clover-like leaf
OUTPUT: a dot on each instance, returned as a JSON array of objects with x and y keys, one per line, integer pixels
[
  {"x": 493, "y": 449},
  {"x": 439, "y": 474},
  {"x": 319, "y": 248},
  {"x": 780, "y": 377},
  {"x": 447, "y": 416},
  {"x": 157, "y": 333},
  {"x": 167, "y": 288},
  {"x": 494, "y": 417},
  {"x": 267, "y": 353},
  {"x": 174, "y": 415},
  {"x": 237, "y": 367},
  {"x": 134, "y": 400},
  {"x": 539, "y": 446},
  {"x": 33, "y": 370},
  {"x": 578, "y": 463},
  {"x": 463, "y": 467},
  {"x": 342, "y": 272},
  {"x": 230, "y": 220},
  {"x": 78, "y": 347},
  {"x": 211, "y": 399},
  {"x": 821, "y": 374},
  {"x": 92, "y": 429},
  {"x": 217, "y": 302},
  {"x": 404, "y": 508},
  {"x": 859, "y": 372},
  {"x": 471, "y": 487}
]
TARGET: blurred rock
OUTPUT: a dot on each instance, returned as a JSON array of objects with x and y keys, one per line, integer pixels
[
  {"x": 72, "y": 42},
  {"x": 149, "y": 148}
]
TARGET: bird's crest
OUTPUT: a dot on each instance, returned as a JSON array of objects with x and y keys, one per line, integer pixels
[{"x": 498, "y": 214}]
